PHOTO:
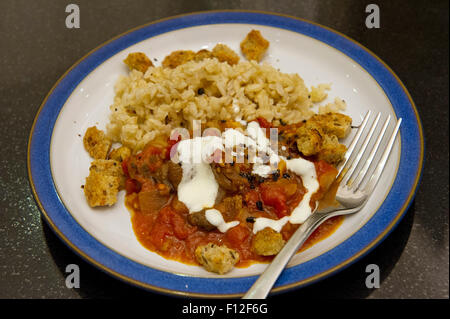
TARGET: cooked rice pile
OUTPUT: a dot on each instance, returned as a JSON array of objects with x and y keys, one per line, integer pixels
[{"x": 150, "y": 104}]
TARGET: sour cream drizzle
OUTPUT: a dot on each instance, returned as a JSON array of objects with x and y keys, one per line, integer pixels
[
  {"x": 198, "y": 188},
  {"x": 262, "y": 222},
  {"x": 214, "y": 217},
  {"x": 307, "y": 171}
]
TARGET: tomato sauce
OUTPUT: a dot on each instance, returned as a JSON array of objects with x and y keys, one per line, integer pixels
[
  {"x": 162, "y": 225},
  {"x": 169, "y": 234}
]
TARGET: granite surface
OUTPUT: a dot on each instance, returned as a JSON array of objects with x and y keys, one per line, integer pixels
[{"x": 36, "y": 49}]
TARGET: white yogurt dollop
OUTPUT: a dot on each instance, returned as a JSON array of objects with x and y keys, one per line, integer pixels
[
  {"x": 198, "y": 187},
  {"x": 307, "y": 171},
  {"x": 276, "y": 225}
]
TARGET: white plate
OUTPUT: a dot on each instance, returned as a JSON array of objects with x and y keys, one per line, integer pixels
[{"x": 292, "y": 52}]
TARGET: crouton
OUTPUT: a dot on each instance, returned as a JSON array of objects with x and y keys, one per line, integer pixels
[
  {"x": 203, "y": 54},
  {"x": 138, "y": 61},
  {"x": 319, "y": 136},
  {"x": 267, "y": 242},
  {"x": 103, "y": 183},
  {"x": 101, "y": 190},
  {"x": 309, "y": 140},
  {"x": 120, "y": 154},
  {"x": 224, "y": 54},
  {"x": 215, "y": 258},
  {"x": 96, "y": 143},
  {"x": 254, "y": 46},
  {"x": 334, "y": 123},
  {"x": 331, "y": 150},
  {"x": 177, "y": 58},
  {"x": 106, "y": 167}
]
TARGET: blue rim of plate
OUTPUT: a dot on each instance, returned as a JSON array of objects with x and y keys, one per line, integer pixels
[{"x": 364, "y": 240}]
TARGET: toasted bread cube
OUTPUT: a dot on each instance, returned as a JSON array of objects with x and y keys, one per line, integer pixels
[
  {"x": 254, "y": 46},
  {"x": 309, "y": 140},
  {"x": 103, "y": 183},
  {"x": 101, "y": 190},
  {"x": 96, "y": 143},
  {"x": 334, "y": 123},
  {"x": 215, "y": 258},
  {"x": 203, "y": 54},
  {"x": 331, "y": 151},
  {"x": 319, "y": 136},
  {"x": 267, "y": 242},
  {"x": 224, "y": 54},
  {"x": 120, "y": 154},
  {"x": 177, "y": 58},
  {"x": 111, "y": 168},
  {"x": 138, "y": 61},
  {"x": 106, "y": 167}
]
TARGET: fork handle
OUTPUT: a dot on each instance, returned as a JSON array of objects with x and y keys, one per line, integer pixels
[{"x": 264, "y": 283}]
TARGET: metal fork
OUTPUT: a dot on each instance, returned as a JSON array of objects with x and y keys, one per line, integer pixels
[{"x": 351, "y": 196}]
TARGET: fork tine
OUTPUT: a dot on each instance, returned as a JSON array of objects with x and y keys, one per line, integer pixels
[
  {"x": 362, "y": 173},
  {"x": 355, "y": 140},
  {"x": 361, "y": 152},
  {"x": 380, "y": 167}
]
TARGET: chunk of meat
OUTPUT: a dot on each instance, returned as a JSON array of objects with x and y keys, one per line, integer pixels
[
  {"x": 96, "y": 143},
  {"x": 224, "y": 54},
  {"x": 150, "y": 164},
  {"x": 254, "y": 46},
  {"x": 179, "y": 206},
  {"x": 120, "y": 154},
  {"x": 177, "y": 58},
  {"x": 138, "y": 61},
  {"x": 230, "y": 177},
  {"x": 175, "y": 174},
  {"x": 215, "y": 258},
  {"x": 199, "y": 219},
  {"x": 103, "y": 183},
  {"x": 161, "y": 174},
  {"x": 152, "y": 200},
  {"x": 267, "y": 242},
  {"x": 230, "y": 207}
]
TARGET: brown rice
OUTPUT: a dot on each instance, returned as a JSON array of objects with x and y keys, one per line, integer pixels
[{"x": 150, "y": 104}]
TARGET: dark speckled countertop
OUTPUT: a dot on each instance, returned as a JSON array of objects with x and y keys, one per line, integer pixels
[{"x": 36, "y": 49}]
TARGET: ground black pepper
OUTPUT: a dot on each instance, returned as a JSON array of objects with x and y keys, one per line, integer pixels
[
  {"x": 259, "y": 205},
  {"x": 250, "y": 219}
]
